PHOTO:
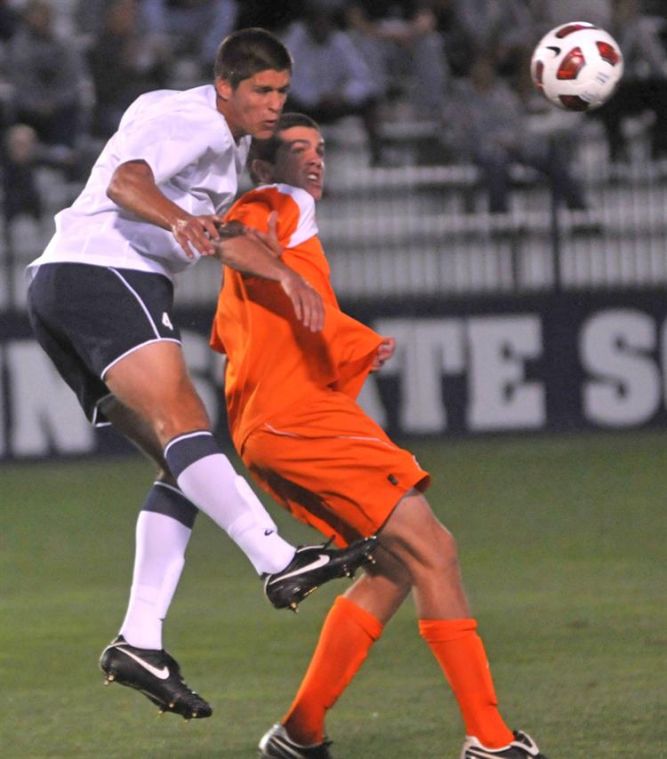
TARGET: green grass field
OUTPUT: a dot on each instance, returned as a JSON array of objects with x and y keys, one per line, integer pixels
[{"x": 562, "y": 542}]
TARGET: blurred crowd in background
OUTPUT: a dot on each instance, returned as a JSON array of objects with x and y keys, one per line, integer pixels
[{"x": 69, "y": 68}]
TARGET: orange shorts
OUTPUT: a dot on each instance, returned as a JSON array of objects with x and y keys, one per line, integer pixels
[{"x": 332, "y": 466}]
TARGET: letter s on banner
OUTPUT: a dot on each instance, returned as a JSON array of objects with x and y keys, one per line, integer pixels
[{"x": 615, "y": 347}]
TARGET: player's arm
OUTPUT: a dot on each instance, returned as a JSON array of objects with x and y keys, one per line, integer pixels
[
  {"x": 258, "y": 255},
  {"x": 134, "y": 189}
]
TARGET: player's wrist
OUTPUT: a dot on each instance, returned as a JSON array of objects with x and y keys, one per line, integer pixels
[
  {"x": 177, "y": 220},
  {"x": 288, "y": 276}
]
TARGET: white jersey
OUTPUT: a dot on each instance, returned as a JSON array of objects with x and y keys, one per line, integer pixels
[{"x": 196, "y": 164}]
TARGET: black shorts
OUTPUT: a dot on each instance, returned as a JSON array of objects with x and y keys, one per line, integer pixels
[{"x": 88, "y": 317}]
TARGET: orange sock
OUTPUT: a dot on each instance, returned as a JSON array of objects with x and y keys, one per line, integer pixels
[
  {"x": 460, "y": 653},
  {"x": 345, "y": 640}
]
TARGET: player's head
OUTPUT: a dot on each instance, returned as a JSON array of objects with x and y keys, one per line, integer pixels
[
  {"x": 252, "y": 74},
  {"x": 294, "y": 155},
  {"x": 247, "y": 52}
]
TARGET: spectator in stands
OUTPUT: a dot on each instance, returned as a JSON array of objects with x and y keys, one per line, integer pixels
[
  {"x": 493, "y": 132},
  {"x": 123, "y": 64},
  {"x": 46, "y": 73},
  {"x": 9, "y": 19},
  {"x": 276, "y": 15},
  {"x": 89, "y": 18},
  {"x": 644, "y": 84},
  {"x": 331, "y": 78},
  {"x": 191, "y": 27},
  {"x": 401, "y": 43},
  {"x": 657, "y": 10},
  {"x": 505, "y": 29},
  {"x": 459, "y": 43},
  {"x": 20, "y": 152}
]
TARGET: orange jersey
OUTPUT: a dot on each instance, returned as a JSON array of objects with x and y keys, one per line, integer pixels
[{"x": 273, "y": 362}]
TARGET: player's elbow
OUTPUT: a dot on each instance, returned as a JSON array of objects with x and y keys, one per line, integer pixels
[
  {"x": 114, "y": 190},
  {"x": 126, "y": 179},
  {"x": 117, "y": 187}
]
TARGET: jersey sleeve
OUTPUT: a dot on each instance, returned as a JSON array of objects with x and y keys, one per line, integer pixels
[
  {"x": 351, "y": 347},
  {"x": 295, "y": 209},
  {"x": 169, "y": 148}
]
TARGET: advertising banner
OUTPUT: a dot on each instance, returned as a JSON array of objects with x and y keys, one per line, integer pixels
[{"x": 549, "y": 363}]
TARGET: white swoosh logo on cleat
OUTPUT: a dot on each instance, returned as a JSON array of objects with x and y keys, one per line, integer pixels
[
  {"x": 161, "y": 674},
  {"x": 320, "y": 562}
]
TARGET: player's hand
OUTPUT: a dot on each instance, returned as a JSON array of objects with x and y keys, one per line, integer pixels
[
  {"x": 306, "y": 300},
  {"x": 197, "y": 233},
  {"x": 270, "y": 238},
  {"x": 384, "y": 352}
]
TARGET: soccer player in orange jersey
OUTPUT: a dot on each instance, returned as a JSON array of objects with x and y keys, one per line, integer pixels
[{"x": 294, "y": 421}]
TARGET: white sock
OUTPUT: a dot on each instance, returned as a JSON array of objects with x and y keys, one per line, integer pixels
[
  {"x": 207, "y": 478},
  {"x": 159, "y": 558},
  {"x": 226, "y": 497}
]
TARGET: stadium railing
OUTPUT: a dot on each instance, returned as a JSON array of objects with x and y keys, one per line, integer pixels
[{"x": 422, "y": 230}]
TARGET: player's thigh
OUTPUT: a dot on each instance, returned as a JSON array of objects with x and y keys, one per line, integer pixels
[{"x": 153, "y": 381}]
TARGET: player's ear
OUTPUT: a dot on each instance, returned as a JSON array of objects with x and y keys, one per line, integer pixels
[
  {"x": 261, "y": 171},
  {"x": 224, "y": 88}
]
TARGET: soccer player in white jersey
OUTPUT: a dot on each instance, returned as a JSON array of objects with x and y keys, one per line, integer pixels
[{"x": 100, "y": 303}]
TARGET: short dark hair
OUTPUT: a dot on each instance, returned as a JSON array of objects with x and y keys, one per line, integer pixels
[
  {"x": 247, "y": 52},
  {"x": 266, "y": 150}
]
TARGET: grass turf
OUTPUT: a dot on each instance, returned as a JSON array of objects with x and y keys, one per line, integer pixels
[{"x": 562, "y": 543}]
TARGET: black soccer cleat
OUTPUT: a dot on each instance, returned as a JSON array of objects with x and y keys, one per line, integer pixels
[
  {"x": 156, "y": 674},
  {"x": 276, "y": 744},
  {"x": 522, "y": 747},
  {"x": 311, "y": 567}
]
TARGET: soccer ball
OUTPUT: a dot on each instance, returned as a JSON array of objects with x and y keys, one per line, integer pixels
[{"x": 577, "y": 66}]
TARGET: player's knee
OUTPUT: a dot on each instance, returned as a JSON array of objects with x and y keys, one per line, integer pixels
[
  {"x": 164, "y": 475},
  {"x": 169, "y": 427},
  {"x": 446, "y": 549},
  {"x": 434, "y": 552},
  {"x": 179, "y": 415},
  {"x": 424, "y": 545}
]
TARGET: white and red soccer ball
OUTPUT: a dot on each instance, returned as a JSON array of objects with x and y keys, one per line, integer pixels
[{"x": 577, "y": 66}]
